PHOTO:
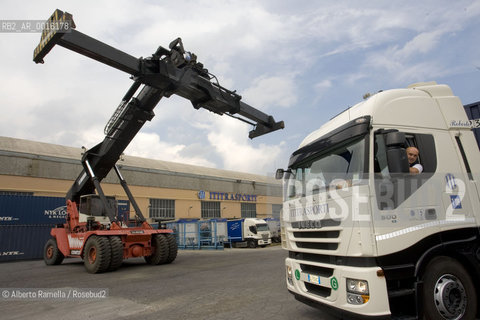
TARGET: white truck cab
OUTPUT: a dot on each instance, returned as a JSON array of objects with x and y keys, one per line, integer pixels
[
  {"x": 251, "y": 232},
  {"x": 366, "y": 238}
]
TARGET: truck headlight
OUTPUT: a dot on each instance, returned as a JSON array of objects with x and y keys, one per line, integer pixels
[
  {"x": 290, "y": 275},
  {"x": 357, "y": 291}
]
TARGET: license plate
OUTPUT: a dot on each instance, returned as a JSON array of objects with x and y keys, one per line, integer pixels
[{"x": 313, "y": 279}]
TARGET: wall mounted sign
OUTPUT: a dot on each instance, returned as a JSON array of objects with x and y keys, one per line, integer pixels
[{"x": 225, "y": 196}]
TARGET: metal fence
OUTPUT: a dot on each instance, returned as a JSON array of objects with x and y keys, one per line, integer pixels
[{"x": 199, "y": 234}]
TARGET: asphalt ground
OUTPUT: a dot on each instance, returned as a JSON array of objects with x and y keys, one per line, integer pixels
[{"x": 206, "y": 284}]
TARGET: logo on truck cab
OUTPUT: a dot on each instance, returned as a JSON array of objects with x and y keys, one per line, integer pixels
[{"x": 475, "y": 123}]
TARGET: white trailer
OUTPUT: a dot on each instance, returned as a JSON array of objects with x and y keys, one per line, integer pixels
[{"x": 366, "y": 238}]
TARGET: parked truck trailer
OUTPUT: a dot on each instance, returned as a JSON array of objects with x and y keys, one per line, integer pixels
[{"x": 251, "y": 232}]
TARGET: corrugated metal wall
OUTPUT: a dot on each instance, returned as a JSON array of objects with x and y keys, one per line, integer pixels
[{"x": 25, "y": 223}]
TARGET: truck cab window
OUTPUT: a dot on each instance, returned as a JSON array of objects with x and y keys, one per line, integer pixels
[
  {"x": 340, "y": 164},
  {"x": 392, "y": 188}
]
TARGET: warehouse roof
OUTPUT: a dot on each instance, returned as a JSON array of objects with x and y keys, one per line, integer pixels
[{"x": 29, "y": 147}]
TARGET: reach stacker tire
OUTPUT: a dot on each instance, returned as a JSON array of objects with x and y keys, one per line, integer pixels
[
  {"x": 172, "y": 247},
  {"x": 160, "y": 250},
  {"x": 97, "y": 254},
  {"x": 116, "y": 259},
  {"x": 51, "y": 254}
]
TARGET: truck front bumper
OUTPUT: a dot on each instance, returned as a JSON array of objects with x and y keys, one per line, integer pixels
[
  {"x": 264, "y": 242},
  {"x": 324, "y": 286},
  {"x": 339, "y": 313}
]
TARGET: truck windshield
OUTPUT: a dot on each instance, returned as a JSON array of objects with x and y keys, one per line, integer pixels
[
  {"x": 340, "y": 166},
  {"x": 262, "y": 227}
]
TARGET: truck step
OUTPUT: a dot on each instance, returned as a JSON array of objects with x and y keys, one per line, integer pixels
[{"x": 400, "y": 293}]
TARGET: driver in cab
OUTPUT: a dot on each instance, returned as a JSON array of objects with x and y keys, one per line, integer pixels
[{"x": 415, "y": 166}]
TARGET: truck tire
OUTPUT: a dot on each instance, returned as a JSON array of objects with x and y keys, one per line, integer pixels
[
  {"x": 116, "y": 258},
  {"x": 97, "y": 254},
  {"x": 172, "y": 247},
  {"x": 160, "y": 250},
  {"x": 448, "y": 291},
  {"x": 51, "y": 254},
  {"x": 252, "y": 244}
]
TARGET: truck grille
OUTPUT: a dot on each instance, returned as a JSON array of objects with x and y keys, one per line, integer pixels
[
  {"x": 318, "y": 235},
  {"x": 317, "y": 244},
  {"x": 265, "y": 237},
  {"x": 318, "y": 290},
  {"x": 322, "y": 272},
  {"x": 316, "y": 270}
]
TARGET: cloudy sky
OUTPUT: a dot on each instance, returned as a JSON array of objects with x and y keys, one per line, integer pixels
[{"x": 301, "y": 61}]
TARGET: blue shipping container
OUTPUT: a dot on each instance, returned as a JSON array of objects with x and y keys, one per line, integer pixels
[
  {"x": 31, "y": 210},
  {"x": 19, "y": 242}
]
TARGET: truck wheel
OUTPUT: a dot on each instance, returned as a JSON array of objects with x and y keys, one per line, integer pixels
[
  {"x": 116, "y": 258},
  {"x": 252, "y": 244},
  {"x": 448, "y": 292},
  {"x": 51, "y": 254},
  {"x": 172, "y": 247},
  {"x": 97, "y": 254},
  {"x": 160, "y": 250}
]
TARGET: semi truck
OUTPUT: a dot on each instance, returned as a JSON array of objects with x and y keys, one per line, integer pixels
[
  {"x": 368, "y": 239},
  {"x": 248, "y": 232},
  {"x": 274, "y": 227},
  {"x": 92, "y": 230}
]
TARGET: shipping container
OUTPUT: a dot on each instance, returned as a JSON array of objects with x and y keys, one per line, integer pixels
[
  {"x": 31, "y": 210},
  {"x": 473, "y": 112},
  {"x": 23, "y": 242}
]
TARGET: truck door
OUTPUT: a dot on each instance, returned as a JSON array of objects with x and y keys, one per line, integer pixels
[{"x": 461, "y": 188}]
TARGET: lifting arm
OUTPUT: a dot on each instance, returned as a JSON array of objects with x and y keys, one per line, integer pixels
[
  {"x": 166, "y": 72},
  {"x": 174, "y": 71}
]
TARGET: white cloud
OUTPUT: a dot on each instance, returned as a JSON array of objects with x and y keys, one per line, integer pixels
[
  {"x": 274, "y": 91},
  {"x": 323, "y": 85},
  {"x": 422, "y": 43},
  {"x": 230, "y": 140},
  {"x": 150, "y": 145}
]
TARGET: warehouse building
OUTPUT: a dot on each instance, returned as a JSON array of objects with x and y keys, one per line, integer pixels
[{"x": 164, "y": 190}]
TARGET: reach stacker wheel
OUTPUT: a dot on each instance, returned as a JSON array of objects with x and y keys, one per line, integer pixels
[
  {"x": 160, "y": 250},
  {"x": 97, "y": 254},
  {"x": 51, "y": 254},
  {"x": 116, "y": 258},
  {"x": 172, "y": 247}
]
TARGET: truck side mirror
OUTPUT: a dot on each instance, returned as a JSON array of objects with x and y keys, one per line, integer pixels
[
  {"x": 396, "y": 153},
  {"x": 279, "y": 174}
]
